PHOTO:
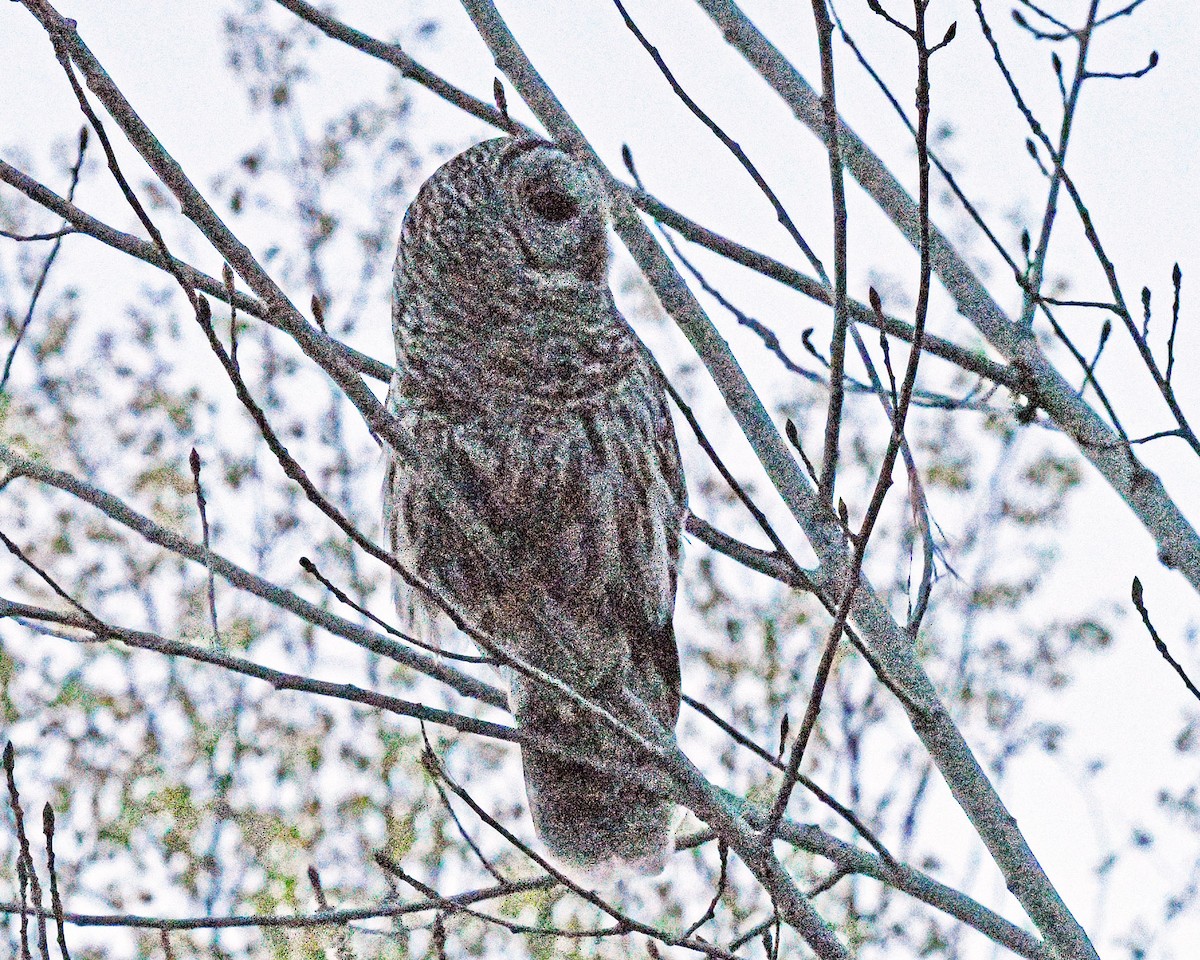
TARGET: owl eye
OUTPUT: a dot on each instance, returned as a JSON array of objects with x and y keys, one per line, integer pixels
[{"x": 553, "y": 206}]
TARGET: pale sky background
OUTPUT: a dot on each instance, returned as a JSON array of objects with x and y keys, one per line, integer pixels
[{"x": 1132, "y": 155}]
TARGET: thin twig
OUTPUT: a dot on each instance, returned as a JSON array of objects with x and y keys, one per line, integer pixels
[
  {"x": 722, "y": 876},
  {"x": 55, "y": 899},
  {"x": 344, "y": 951},
  {"x": 917, "y": 498},
  {"x": 40, "y": 283},
  {"x": 1177, "y": 283},
  {"x": 807, "y": 782},
  {"x": 828, "y": 883},
  {"x": 31, "y": 237},
  {"x": 1038, "y": 263},
  {"x": 392, "y": 867},
  {"x": 201, "y": 506},
  {"x": 780, "y": 211},
  {"x": 311, "y": 569},
  {"x": 754, "y": 932},
  {"x": 462, "y": 830},
  {"x": 768, "y": 563},
  {"x": 1139, "y": 602},
  {"x": 59, "y": 38},
  {"x": 24, "y": 857},
  {"x": 45, "y": 577},
  {"x": 628, "y": 924},
  {"x": 1042, "y": 13},
  {"x": 1089, "y": 375},
  {"x": 231, "y": 299},
  {"x": 23, "y": 886},
  {"x": 837, "y": 346}
]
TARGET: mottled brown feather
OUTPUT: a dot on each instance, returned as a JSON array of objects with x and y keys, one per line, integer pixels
[{"x": 548, "y": 497}]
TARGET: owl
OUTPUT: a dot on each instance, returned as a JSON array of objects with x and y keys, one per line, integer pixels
[{"x": 546, "y": 497}]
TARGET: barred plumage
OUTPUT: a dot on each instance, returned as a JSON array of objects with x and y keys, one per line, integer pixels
[{"x": 548, "y": 497}]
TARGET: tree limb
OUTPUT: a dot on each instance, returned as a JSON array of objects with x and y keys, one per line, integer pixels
[{"x": 1178, "y": 543}]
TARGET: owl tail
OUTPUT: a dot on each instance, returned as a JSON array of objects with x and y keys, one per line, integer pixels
[{"x": 599, "y": 826}]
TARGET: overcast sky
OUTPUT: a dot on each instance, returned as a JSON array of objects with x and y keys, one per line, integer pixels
[{"x": 1132, "y": 154}]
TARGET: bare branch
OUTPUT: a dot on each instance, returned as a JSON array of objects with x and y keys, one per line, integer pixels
[
  {"x": 837, "y": 348},
  {"x": 30, "y": 237},
  {"x": 1106, "y": 265},
  {"x": 24, "y": 857},
  {"x": 242, "y": 579},
  {"x": 1140, "y": 603},
  {"x": 1177, "y": 541},
  {"x": 40, "y": 283},
  {"x": 201, "y": 506},
  {"x": 311, "y": 569},
  {"x": 733, "y": 147},
  {"x": 323, "y": 918},
  {"x": 55, "y": 899},
  {"x": 809, "y": 784},
  {"x": 148, "y": 253},
  {"x": 276, "y": 678}
]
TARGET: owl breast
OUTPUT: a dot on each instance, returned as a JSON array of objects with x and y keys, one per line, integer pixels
[{"x": 580, "y": 503}]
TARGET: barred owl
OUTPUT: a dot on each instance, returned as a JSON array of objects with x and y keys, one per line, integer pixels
[{"x": 547, "y": 496}]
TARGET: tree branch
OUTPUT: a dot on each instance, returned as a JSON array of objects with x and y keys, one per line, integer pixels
[
  {"x": 117, "y": 510},
  {"x": 966, "y": 778},
  {"x": 1178, "y": 543}
]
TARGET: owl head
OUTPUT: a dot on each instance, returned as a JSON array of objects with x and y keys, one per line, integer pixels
[
  {"x": 557, "y": 205},
  {"x": 508, "y": 202}
]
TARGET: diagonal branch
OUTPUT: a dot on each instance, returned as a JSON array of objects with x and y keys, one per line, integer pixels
[
  {"x": 931, "y": 721},
  {"x": 148, "y": 253},
  {"x": 1177, "y": 541},
  {"x": 40, "y": 283},
  {"x": 115, "y": 509},
  {"x": 276, "y": 678},
  {"x": 972, "y": 360}
]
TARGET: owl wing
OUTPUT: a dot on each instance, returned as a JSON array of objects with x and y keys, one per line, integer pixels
[
  {"x": 558, "y": 536},
  {"x": 566, "y": 535},
  {"x": 618, "y": 566}
]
